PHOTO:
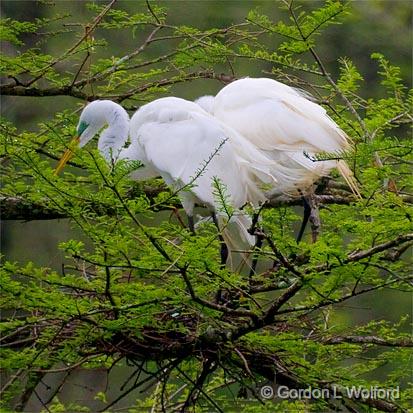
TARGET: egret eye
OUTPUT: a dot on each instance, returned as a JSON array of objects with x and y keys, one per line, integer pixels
[{"x": 81, "y": 128}]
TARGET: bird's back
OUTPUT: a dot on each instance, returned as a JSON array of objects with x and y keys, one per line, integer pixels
[
  {"x": 188, "y": 146},
  {"x": 282, "y": 122},
  {"x": 277, "y": 116}
]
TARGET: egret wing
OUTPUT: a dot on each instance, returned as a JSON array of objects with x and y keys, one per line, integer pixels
[
  {"x": 192, "y": 150},
  {"x": 277, "y": 117},
  {"x": 286, "y": 125}
]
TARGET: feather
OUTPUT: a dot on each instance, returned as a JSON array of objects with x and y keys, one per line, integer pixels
[
  {"x": 238, "y": 240},
  {"x": 283, "y": 123}
]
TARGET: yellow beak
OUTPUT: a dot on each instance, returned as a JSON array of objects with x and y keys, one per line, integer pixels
[{"x": 67, "y": 155}]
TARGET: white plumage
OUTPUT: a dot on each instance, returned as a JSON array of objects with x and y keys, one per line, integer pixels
[
  {"x": 186, "y": 146},
  {"x": 181, "y": 142},
  {"x": 283, "y": 124},
  {"x": 253, "y": 134},
  {"x": 177, "y": 138}
]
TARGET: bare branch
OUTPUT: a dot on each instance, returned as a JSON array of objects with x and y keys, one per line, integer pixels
[
  {"x": 357, "y": 256},
  {"x": 88, "y": 32},
  {"x": 18, "y": 90},
  {"x": 368, "y": 340}
]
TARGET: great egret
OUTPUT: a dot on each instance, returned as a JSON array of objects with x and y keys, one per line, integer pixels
[
  {"x": 187, "y": 146},
  {"x": 286, "y": 126},
  {"x": 191, "y": 150},
  {"x": 281, "y": 122}
]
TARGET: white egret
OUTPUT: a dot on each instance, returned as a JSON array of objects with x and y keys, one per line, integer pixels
[
  {"x": 189, "y": 147},
  {"x": 286, "y": 126},
  {"x": 191, "y": 150}
]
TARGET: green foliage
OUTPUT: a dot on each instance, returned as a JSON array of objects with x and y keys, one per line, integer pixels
[
  {"x": 13, "y": 30},
  {"x": 350, "y": 78},
  {"x": 222, "y": 198},
  {"x": 136, "y": 286}
]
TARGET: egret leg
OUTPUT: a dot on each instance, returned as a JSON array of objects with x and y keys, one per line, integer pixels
[
  {"x": 224, "y": 248},
  {"x": 259, "y": 238},
  {"x": 306, "y": 216},
  {"x": 314, "y": 218},
  {"x": 258, "y": 244},
  {"x": 311, "y": 213},
  {"x": 191, "y": 224}
]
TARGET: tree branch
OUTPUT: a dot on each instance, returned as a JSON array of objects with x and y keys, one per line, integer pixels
[
  {"x": 18, "y": 208},
  {"x": 357, "y": 256},
  {"x": 212, "y": 305},
  {"x": 368, "y": 340},
  {"x": 68, "y": 90}
]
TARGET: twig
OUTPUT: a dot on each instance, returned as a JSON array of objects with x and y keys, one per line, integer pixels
[
  {"x": 357, "y": 256},
  {"x": 241, "y": 356},
  {"x": 88, "y": 32},
  {"x": 212, "y": 305}
]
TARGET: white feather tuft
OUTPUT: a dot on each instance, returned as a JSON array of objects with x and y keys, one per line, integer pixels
[{"x": 238, "y": 240}]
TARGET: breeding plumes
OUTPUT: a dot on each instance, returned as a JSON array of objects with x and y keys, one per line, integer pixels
[
  {"x": 184, "y": 143},
  {"x": 286, "y": 126},
  {"x": 195, "y": 154}
]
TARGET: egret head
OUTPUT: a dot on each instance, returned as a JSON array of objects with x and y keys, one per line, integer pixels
[
  {"x": 82, "y": 134},
  {"x": 93, "y": 118}
]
